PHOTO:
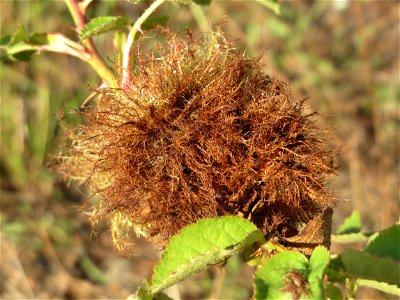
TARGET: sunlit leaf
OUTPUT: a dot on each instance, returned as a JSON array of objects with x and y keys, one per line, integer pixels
[
  {"x": 351, "y": 224},
  {"x": 318, "y": 261},
  {"x": 364, "y": 265},
  {"x": 103, "y": 24},
  {"x": 386, "y": 243},
  {"x": 271, "y": 279},
  {"x": 272, "y": 5},
  {"x": 290, "y": 275},
  {"x": 210, "y": 241}
]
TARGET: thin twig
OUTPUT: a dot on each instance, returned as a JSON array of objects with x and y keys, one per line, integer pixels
[
  {"x": 200, "y": 17},
  {"x": 95, "y": 59},
  {"x": 131, "y": 38},
  {"x": 218, "y": 282}
]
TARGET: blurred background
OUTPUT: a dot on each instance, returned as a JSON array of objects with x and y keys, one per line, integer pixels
[{"x": 341, "y": 55}]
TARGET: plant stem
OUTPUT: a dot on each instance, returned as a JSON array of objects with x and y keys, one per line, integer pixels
[
  {"x": 95, "y": 59},
  {"x": 200, "y": 17},
  {"x": 131, "y": 38}
]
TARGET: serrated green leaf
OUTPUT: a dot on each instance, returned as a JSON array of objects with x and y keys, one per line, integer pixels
[
  {"x": 39, "y": 39},
  {"x": 101, "y": 25},
  {"x": 24, "y": 55},
  {"x": 18, "y": 36},
  {"x": 209, "y": 241},
  {"x": 153, "y": 21},
  {"x": 288, "y": 271},
  {"x": 319, "y": 260},
  {"x": 5, "y": 39},
  {"x": 351, "y": 224},
  {"x": 19, "y": 52},
  {"x": 364, "y": 265},
  {"x": 386, "y": 243},
  {"x": 269, "y": 280},
  {"x": 381, "y": 286},
  {"x": 37, "y": 42},
  {"x": 202, "y": 2},
  {"x": 272, "y": 5}
]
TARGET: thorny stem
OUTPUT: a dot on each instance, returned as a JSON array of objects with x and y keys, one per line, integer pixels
[
  {"x": 131, "y": 38},
  {"x": 95, "y": 59}
]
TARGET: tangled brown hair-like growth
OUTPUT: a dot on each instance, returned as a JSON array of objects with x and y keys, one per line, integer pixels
[{"x": 201, "y": 132}]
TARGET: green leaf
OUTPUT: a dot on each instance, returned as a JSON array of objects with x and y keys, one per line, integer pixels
[
  {"x": 365, "y": 265},
  {"x": 318, "y": 262},
  {"x": 103, "y": 24},
  {"x": 143, "y": 294},
  {"x": 381, "y": 286},
  {"x": 24, "y": 55},
  {"x": 19, "y": 52},
  {"x": 349, "y": 238},
  {"x": 336, "y": 271},
  {"x": 18, "y": 36},
  {"x": 202, "y": 2},
  {"x": 39, "y": 39},
  {"x": 272, "y": 5},
  {"x": 386, "y": 243},
  {"x": 153, "y": 21},
  {"x": 134, "y": 1},
  {"x": 5, "y": 39},
  {"x": 333, "y": 292},
  {"x": 210, "y": 241},
  {"x": 37, "y": 42},
  {"x": 271, "y": 278},
  {"x": 15, "y": 48},
  {"x": 290, "y": 275},
  {"x": 351, "y": 224}
]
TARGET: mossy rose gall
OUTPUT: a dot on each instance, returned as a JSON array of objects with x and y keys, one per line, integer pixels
[{"x": 199, "y": 132}]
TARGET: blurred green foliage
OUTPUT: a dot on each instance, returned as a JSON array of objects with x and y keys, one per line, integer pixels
[{"x": 342, "y": 55}]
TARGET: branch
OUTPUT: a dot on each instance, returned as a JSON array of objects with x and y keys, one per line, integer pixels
[{"x": 95, "y": 60}]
